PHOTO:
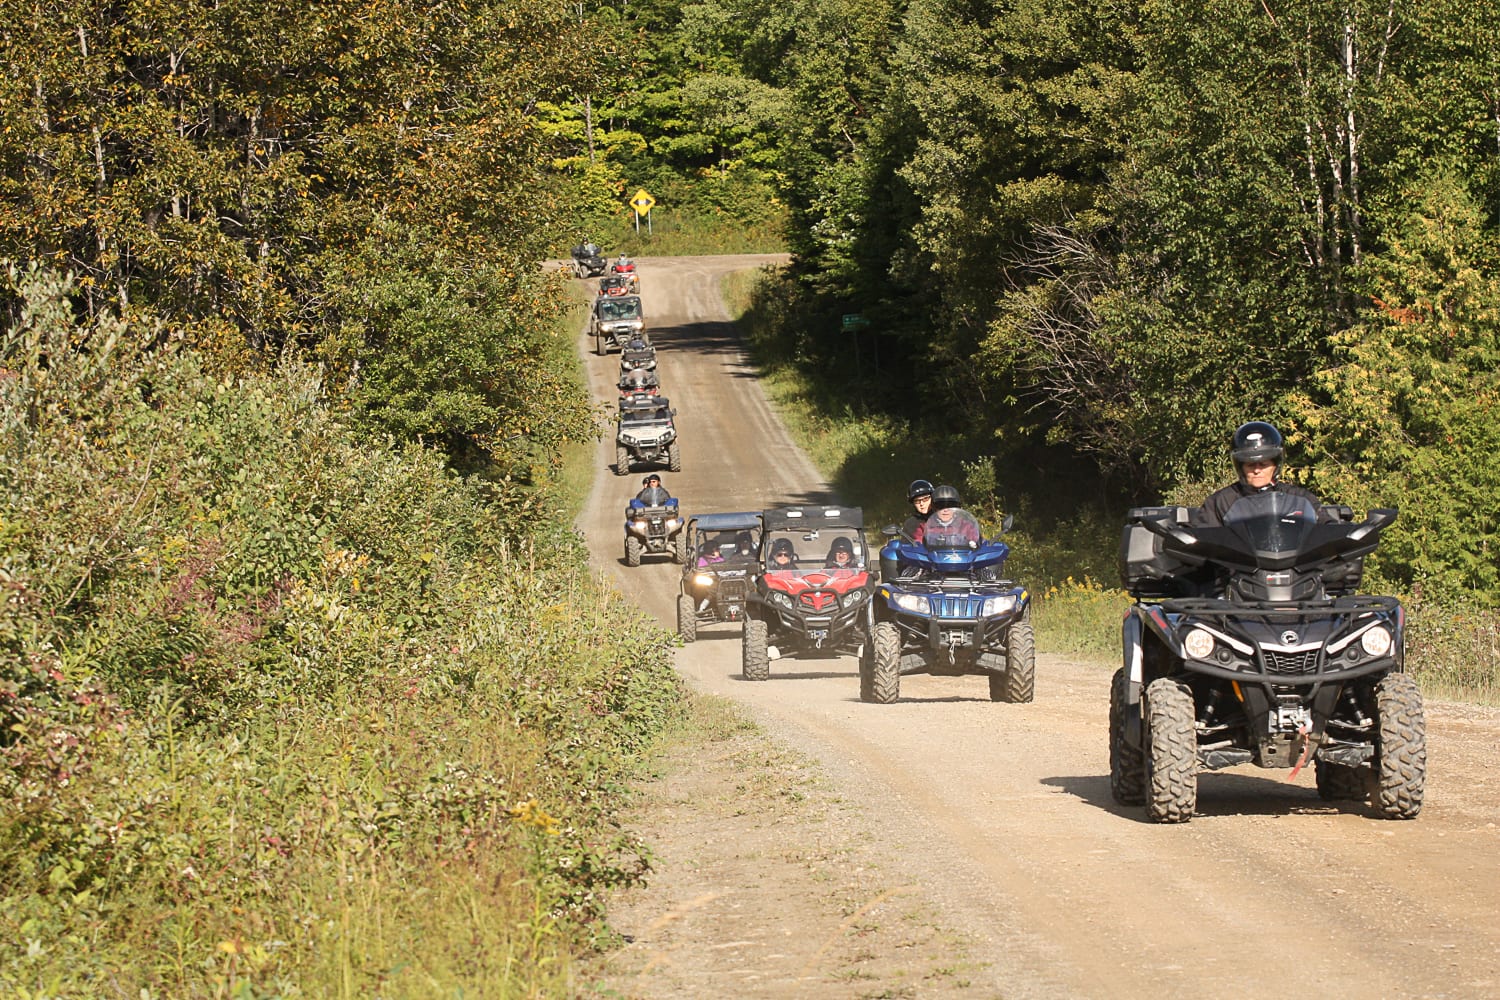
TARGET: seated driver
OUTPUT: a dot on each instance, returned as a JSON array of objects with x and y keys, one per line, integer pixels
[
  {"x": 840, "y": 555},
  {"x": 1256, "y": 448},
  {"x": 783, "y": 555},
  {"x": 652, "y": 493},
  {"x": 949, "y": 524}
]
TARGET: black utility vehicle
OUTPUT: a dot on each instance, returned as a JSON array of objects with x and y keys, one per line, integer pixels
[
  {"x": 646, "y": 434},
  {"x": 1248, "y": 643},
  {"x": 812, "y": 597},
  {"x": 717, "y": 581}
]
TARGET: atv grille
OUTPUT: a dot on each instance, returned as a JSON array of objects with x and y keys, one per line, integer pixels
[
  {"x": 732, "y": 590},
  {"x": 1291, "y": 664},
  {"x": 819, "y": 600},
  {"x": 952, "y": 606}
]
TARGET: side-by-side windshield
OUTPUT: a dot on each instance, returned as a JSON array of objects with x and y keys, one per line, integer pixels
[
  {"x": 627, "y": 309},
  {"x": 821, "y": 549},
  {"x": 1272, "y": 521}
]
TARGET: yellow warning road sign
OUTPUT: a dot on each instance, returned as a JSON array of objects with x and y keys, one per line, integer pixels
[{"x": 642, "y": 202}]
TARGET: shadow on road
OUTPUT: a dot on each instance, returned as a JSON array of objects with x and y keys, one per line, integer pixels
[{"x": 1218, "y": 795}]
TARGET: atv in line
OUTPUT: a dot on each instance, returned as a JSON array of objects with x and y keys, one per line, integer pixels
[
  {"x": 653, "y": 525},
  {"x": 1248, "y": 643},
  {"x": 646, "y": 434},
  {"x": 812, "y": 595},
  {"x": 614, "y": 321},
  {"x": 716, "y": 584},
  {"x": 943, "y": 608},
  {"x": 588, "y": 261}
]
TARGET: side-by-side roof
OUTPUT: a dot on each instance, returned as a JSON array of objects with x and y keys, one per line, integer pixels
[
  {"x": 737, "y": 521},
  {"x": 812, "y": 517}
]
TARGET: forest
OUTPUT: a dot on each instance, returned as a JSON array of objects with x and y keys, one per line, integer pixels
[{"x": 277, "y": 347}]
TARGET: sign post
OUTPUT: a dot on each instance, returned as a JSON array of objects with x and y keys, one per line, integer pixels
[{"x": 642, "y": 203}]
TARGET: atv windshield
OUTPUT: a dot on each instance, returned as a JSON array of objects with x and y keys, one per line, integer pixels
[
  {"x": 659, "y": 415},
  {"x": 962, "y": 532},
  {"x": 617, "y": 309},
  {"x": 734, "y": 548},
  {"x": 1272, "y": 522},
  {"x": 820, "y": 550}
]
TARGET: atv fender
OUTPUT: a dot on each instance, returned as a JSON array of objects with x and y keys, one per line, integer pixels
[{"x": 1134, "y": 656}]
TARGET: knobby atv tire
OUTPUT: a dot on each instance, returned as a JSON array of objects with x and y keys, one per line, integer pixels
[
  {"x": 885, "y": 665},
  {"x": 755, "y": 662},
  {"x": 622, "y": 460},
  {"x": 1127, "y": 765},
  {"x": 632, "y": 551},
  {"x": 1018, "y": 684},
  {"x": 674, "y": 458},
  {"x": 679, "y": 548},
  {"x": 687, "y": 618},
  {"x": 1400, "y": 747},
  {"x": 1171, "y": 752},
  {"x": 1339, "y": 781}
]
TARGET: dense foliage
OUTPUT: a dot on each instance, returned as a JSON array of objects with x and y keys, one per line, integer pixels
[
  {"x": 1118, "y": 230},
  {"x": 286, "y": 710}
]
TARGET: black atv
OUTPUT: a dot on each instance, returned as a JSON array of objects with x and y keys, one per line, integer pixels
[
  {"x": 812, "y": 595},
  {"x": 716, "y": 584},
  {"x": 1248, "y": 643},
  {"x": 588, "y": 261},
  {"x": 646, "y": 434}
]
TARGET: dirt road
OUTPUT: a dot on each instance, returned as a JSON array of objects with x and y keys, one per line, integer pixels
[{"x": 949, "y": 845}]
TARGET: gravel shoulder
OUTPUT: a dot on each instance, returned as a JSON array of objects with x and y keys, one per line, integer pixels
[{"x": 949, "y": 845}]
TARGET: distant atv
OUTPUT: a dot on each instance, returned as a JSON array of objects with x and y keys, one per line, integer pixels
[
  {"x": 717, "y": 582},
  {"x": 653, "y": 525},
  {"x": 812, "y": 595},
  {"x": 638, "y": 353},
  {"x": 1247, "y": 643},
  {"x": 646, "y": 434},
  {"x": 588, "y": 262},
  {"x": 615, "y": 321},
  {"x": 944, "y": 608}
]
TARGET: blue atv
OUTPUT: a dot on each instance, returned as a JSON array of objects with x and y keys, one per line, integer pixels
[
  {"x": 943, "y": 608},
  {"x": 654, "y": 524}
]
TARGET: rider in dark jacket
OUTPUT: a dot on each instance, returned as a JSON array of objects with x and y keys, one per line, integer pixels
[
  {"x": 919, "y": 495},
  {"x": 1257, "y": 449},
  {"x": 652, "y": 493}
]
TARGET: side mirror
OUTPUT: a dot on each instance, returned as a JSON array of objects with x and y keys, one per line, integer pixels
[
  {"x": 890, "y": 531},
  {"x": 1007, "y": 524}
]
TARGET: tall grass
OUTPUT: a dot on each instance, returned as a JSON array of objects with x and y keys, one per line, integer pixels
[
  {"x": 683, "y": 232},
  {"x": 288, "y": 711}
]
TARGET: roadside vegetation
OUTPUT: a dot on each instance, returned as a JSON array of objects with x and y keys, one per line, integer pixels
[{"x": 300, "y": 696}]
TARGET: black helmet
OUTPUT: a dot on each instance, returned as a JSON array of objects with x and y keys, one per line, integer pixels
[
  {"x": 841, "y": 545},
  {"x": 946, "y": 496},
  {"x": 782, "y": 546},
  {"x": 653, "y": 477},
  {"x": 918, "y": 488},
  {"x": 744, "y": 542},
  {"x": 1256, "y": 441}
]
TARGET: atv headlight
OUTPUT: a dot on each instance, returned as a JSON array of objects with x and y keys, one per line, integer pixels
[
  {"x": 673, "y": 522},
  {"x": 1198, "y": 644},
  {"x": 852, "y": 599},
  {"x": 785, "y": 600},
  {"x": 638, "y": 525},
  {"x": 704, "y": 580},
  {"x": 915, "y": 603},
  {"x": 1376, "y": 641},
  {"x": 997, "y": 605},
  {"x": 627, "y": 439}
]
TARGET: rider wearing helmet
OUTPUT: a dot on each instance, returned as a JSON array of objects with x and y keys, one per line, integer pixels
[
  {"x": 1256, "y": 448},
  {"x": 783, "y": 555},
  {"x": 919, "y": 495},
  {"x": 652, "y": 493},
  {"x": 840, "y": 555},
  {"x": 949, "y": 522}
]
